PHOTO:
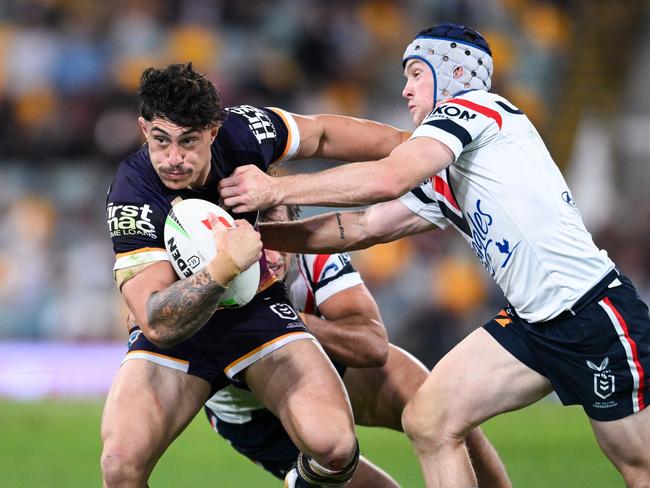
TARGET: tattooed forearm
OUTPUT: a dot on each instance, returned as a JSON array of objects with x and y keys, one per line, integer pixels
[
  {"x": 182, "y": 309},
  {"x": 341, "y": 228}
]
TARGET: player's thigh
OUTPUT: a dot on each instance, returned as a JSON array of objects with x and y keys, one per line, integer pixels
[
  {"x": 148, "y": 405},
  {"x": 475, "y": 381},
  {"x": 624, "y": 441},
  {"x": 299, "y": 384},
  {"x": 378, "y": 395}
]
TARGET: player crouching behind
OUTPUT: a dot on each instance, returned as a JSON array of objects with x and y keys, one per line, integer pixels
[{"x": 379, "y": 377}]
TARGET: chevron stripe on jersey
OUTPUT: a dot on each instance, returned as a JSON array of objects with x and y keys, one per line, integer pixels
[
  {"x": 447, "y": 202},
  {"x": 488, "y": 112},
  {"x": 507, "y": 197}
]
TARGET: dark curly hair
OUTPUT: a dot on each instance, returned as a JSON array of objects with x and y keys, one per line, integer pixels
[
  {"x": 181, "y": 95},
  {"x": 274, "y": 214}
]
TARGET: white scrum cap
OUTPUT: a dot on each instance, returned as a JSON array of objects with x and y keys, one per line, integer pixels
[{"x": 446, "y": 47}]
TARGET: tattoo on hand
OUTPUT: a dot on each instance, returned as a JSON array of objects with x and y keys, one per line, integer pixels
[
  {"x": 184, "y": 307},
  {"x": 341, "y": 228}
]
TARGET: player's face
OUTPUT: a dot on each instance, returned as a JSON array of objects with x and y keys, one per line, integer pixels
[
  {"x": 418, "y": 90},
  {"x": 279, "y": 262},
  {"x": 180, "y": 156}
]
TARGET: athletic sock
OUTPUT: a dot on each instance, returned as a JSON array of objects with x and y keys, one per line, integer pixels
[{"x": 310, "y": 474}]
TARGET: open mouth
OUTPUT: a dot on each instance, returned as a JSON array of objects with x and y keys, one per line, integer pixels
[{"x": 275, "y": 269}]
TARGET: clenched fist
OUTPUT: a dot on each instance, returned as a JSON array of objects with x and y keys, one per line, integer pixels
[{"x": 238, "y": 248}]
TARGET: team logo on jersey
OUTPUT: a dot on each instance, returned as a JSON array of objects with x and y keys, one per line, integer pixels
[
  {"x": 259, "y": 121},
  {"x": 604, "y": 384},
  {"x": 284, "y": 311},
  {"x": 568, "y": 198},
  {"x": 335, "y": 266},
  {"x": 504, "y": 248},
  {"x": 483, "y": 242},
  {"x": 130, "y": 220},
  {"x": 133, "y": 337}
]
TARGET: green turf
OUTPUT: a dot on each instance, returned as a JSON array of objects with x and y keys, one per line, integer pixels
[{"x": 56, "y": 444}]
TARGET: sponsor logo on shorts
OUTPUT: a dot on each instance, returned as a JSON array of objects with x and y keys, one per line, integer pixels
[
  {"x": 604, "y": 384},
  {"x": 284, "y": 311},
  {"x": 130, "y": 220}
]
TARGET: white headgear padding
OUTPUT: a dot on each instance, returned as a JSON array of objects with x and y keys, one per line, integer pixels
[{"x": 445, "y": 55}]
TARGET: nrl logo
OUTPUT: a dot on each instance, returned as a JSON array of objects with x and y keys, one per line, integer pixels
[{"x": 603, "y": 381}]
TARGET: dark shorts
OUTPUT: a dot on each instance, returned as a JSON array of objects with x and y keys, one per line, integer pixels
[
  {"x": 597, "y": 358},
  {"x": 262, "y": 439},
  {"x": 234, "y": 339}
]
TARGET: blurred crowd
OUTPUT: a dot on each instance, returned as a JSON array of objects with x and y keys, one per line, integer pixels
[{"x": 68, "y": 72}]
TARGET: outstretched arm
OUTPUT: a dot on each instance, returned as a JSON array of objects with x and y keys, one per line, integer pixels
[
  {"x": 345, "y": 138},
  {"x": 351, "y": 330},
  {"x": 344, "y": 231},
  {"x": 248, "y": 188}
]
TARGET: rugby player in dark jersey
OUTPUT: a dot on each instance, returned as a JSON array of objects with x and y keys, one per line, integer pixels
[{"x": 185, "y": 348}]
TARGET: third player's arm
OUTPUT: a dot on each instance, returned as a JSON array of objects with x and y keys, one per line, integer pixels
[
  {"x": 351, "y": 330},
  {"x": 344, "y": 231}
]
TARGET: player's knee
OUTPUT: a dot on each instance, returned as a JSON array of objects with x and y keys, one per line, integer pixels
[
  {"x": 334, "y": 450},
  {"x": 117, "y": 471},
  {"x": 122, "y": 467},
  {"x": 428, "y": 426},
  {"x": 636, "y": 475},
  {"x": 309, "y": 472}
]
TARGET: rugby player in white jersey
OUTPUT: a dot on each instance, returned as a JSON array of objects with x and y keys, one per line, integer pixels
[
  {"x": 379, "y": 377},
  {"x": 572, "y": 323}
]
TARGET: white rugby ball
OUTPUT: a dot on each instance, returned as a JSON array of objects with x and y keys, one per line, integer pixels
[{"x": 190, "y": 244}]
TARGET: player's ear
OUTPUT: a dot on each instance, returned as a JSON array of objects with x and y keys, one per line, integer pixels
[
  {"x": 213, "y": 133},
  {"x": 143, "y": 125}
]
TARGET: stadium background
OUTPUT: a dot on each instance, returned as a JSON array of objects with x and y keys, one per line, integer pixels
[{"x": 68, "y": 71}]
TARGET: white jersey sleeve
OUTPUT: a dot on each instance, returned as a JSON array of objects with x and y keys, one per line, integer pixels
[{"x": 317, "y": 277}]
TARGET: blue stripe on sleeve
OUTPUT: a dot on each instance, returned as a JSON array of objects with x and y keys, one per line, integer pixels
[{"x": 452, "y": 128}]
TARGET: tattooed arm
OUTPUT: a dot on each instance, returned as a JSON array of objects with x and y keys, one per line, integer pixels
[
  {"x": 344, "y": 231},
  {"x": 169, "y": 310},
  {"x": 177, "y": 312}
]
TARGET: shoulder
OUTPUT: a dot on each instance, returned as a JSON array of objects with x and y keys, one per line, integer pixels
[
  {"x": 328, "y": 274},
  {"x": 258, "y": 122},
  {"x": 260, "y": 135},
  {"x": 136, "y": 205},
  {"x": 134, "y": 176},
  {"x": 321, "y": 268},
  {"x": 470, "y": 107}
]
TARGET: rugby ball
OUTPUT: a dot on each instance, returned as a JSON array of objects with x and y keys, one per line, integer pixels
[{"x": 190, "y": 244}]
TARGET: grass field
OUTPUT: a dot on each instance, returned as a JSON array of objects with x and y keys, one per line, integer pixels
[{"x": 56, "y": 444}]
